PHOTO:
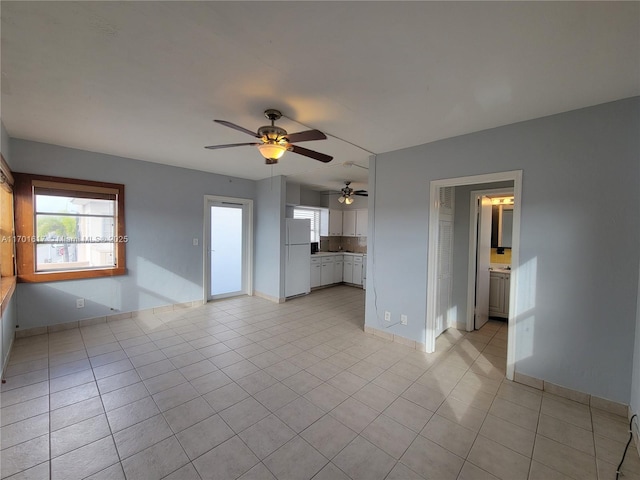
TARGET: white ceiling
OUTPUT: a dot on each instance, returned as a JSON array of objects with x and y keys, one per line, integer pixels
[{"x": 145, "y": 79}]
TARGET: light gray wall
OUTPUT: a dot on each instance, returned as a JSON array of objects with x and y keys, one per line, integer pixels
[
  {"x": 635, "y": 378},
  {"x": 576, "y": 303},
  {"x": 461, "y": 245},
  {"x": 310, "y": 198},
  {"x": 269, "y": 237},
  {"x": 163, "y": 211},
  {"x": 5, "y": 146}
]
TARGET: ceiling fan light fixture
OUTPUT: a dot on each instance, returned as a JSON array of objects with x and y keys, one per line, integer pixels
[
  {"x": 348, "y": 200},
  {"x": 341, "y": 199},
  {"x": 272, "y": 151}
]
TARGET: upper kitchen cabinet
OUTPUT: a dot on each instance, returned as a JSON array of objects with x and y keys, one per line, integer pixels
[
  {"x": 330, "y": 222},
  {"x": 355, "y": 223}
]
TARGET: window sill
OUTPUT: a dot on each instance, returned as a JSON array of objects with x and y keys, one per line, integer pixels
[
  {"x": 7, "y": 288},
  {"x": 70, "y": 275}
]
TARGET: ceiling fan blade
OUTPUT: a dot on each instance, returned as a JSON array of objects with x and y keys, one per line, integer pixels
[
  {"x": 306, "y": 136},
  {"x": 228, "y": 145},
  {"x": 311, "y": 154},
  {"x": 237, "y": 127},
  {"x": 361, "y": 193}
]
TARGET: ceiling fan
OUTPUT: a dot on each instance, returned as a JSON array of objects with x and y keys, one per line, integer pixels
[
  {"x": 347, "y": 194},
  {"x": 274, "y": 141}
]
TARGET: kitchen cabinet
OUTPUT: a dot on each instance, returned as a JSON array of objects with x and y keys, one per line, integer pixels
[
  {"x": 349, "y": 223},
  {"x": 357, "y": 270},
  {"x": 355, "y": 223},
  {"x": 362, "y": 222},
  {"x": 316, "y": 271},
  {"x": 499, "y": 285},
  {"x": 347, "y": 271},
  {"x": 335, "y": 223},
  {"x": 338, "y": 268},
  {"x": 326, "y": 271}
]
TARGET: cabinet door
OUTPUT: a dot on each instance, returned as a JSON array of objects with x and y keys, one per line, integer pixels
[
  {"x": 349, "y": 223},
  {"x": 357, "y": 271},
  {"x": 338, "y": 268},
  {"x": 335, "y": 223},
  {"x": 362, "y": 222},
  {"x": 506, "y": 285},
  {"x": 496, "y": 294},
  {"x": 316, "y": 269},
  {"x": 347, "y": 271},
  {"x": 326, "y": 272}
]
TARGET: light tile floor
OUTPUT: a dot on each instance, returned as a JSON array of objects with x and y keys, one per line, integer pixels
[{"x": 243, "y": 388}]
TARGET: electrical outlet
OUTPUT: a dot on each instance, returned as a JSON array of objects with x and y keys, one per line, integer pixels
[
  {"x": 80, "y": 303},
  {"x": 195, "y": 242},
  {"x": 387, "y": 316},
  {"x": 403, "y": 319}
]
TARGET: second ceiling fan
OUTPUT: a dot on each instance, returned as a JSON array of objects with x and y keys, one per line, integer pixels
[
  {"x": 274, "y": 141},
  {"x": 347, "y": 194}
]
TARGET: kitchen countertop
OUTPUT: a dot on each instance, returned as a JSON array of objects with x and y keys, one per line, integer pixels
[
  {"x": 328, "y": 254},
  {"x": 500, "y": 270}
]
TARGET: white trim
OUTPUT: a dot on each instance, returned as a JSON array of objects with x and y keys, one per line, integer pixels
[
  {"x": 247, "y": 228},
  {"x": 473, "y": 245},
  {"x": 435, "y": 185}
]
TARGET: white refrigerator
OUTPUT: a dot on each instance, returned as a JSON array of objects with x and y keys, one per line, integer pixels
[{"x": 297, "y": 276}]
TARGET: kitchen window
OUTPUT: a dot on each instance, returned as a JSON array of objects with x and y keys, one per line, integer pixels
[
  {"x": 68, "y": 229},
  {"x": 312, "y": 214}
]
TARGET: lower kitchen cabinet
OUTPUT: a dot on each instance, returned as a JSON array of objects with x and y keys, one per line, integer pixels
[{"x": 316, "y": 272}]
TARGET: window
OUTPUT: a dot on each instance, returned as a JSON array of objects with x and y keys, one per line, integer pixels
[
  {"x": 68, "y": 229},
  {"x": 312, "y": 214}
]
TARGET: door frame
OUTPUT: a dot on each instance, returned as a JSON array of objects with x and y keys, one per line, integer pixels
[
  {"x": 434, "y": 191},
  {"x": 247, "y": 233},
  {"x": 473, "y": 245}
]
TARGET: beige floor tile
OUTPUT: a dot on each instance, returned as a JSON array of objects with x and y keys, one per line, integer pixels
[
  {"x": 473, "y": 396},
  {"x": 299, "y": 414},
  {"x": 361, "y": 460},
  {"x": 330, "y": 472},
  {"x": 244, "y": 414},
  {"x": 224, "y": 397},
  {"x": 203, "y": 436},
  {"x": 402, "y": 472},
  {"x": 114, "y": 472},
  {"x": 24, "y": 430},
  {"x": 540, "y": 471},
  {"x": 461, "y": 413},
  {"x": 408, "y": 414},
  {"x": 124, "y": 396},
  {"x": 258, "y": 472},
  {"x": 354, "y": 414},
  {"x": 132, "y": 413},
  {"x": 375, "y": 397},
  {"x": 610, "y": 451},
  {"x": 520, "y": 395},
  {"x": 389, "y": 435},
  {"x": 266, "y": 436},
  {"x": 392, "y": 382},
  {"x": 450, "y": 435},
  {"x": 174, "y": 396},
  {"x": 516, "y": 414},
  {"x": 566, "y": 433},
  {"x": 229, "y": 460},
  {"x": 471, "y": 472},
  {"x": 79, "y": 434},
  {"x": 210, "y": 382},
  {"x": 610, "y": 426},
  {"x": 24, "y": 456},
  {"x": 425, "y": 396},
  {"x": 509, "y": 435},
  {"x": 156, "y": 461},
  {"x": 347, "y": 382},
  {"x": 188, "y": 472},
  {"x": 63, "y": 417},
  {"x": 295, "y": 459},
  {"x": 24, "y": 410},
  {"x": 85, "y": 461},
  {"x": 188, "y": 414},
  {"x": 566, "y": 410},
  {"x": 430, "y": 460},
  {"x": 328, "y": 436},
  {"x": 142, "y": 435},
  {"x": 564, "y": 459},
  {"x": 498, "y": 460}
]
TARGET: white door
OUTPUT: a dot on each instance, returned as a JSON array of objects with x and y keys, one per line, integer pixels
[
  {"x": 483, "y": 262},
  {"x": 227, "y": 249}
]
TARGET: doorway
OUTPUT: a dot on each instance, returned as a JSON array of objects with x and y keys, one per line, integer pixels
[
  {"x": 433, "y": 248},
  {"x": 227, "y": 247}
]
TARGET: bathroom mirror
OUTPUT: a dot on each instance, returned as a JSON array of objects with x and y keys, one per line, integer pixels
[{"x": 501, "y": 226}]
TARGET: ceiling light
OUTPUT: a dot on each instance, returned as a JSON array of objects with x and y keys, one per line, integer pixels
[
  {"x": 341, "y": 199},
  {"x": 348, "y": 200},
  {"x": 272, "y": 151}
]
